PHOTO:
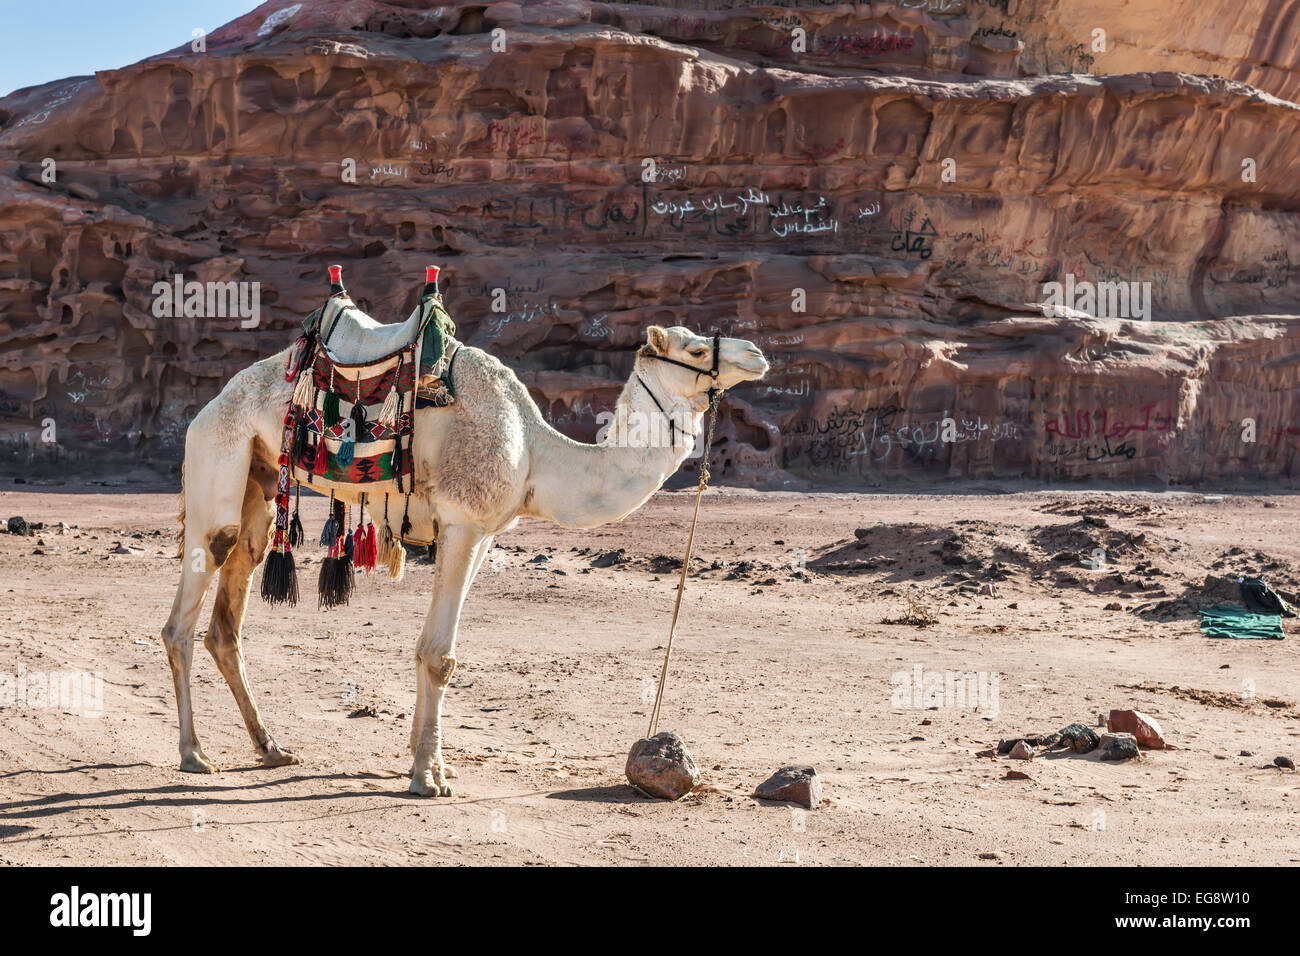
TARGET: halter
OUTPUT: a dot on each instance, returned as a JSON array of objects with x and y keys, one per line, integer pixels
[{"x": 714, "y": 391}]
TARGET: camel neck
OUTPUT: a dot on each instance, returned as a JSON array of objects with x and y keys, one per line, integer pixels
[{"x": 637, "y": 449}]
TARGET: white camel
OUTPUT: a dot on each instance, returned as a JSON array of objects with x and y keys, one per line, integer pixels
[{"x": 481, "y": 464}]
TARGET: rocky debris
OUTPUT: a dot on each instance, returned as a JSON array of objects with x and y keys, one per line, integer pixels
[
  {"x": 993, "y": 855},
  {"x": 368, "y": 710},
  {"x": 662, "y": 766},
  {"x": 1017, "y": 775},
  {"x": 1021, "y": 751},
  {"x": 17, "y": 525},
  {"x": 123, "y": 549},
  {"x": 796, "y": 784},
  {"x": 1285, "y": 763},
  {"x": 609, "y": 559},
  {"x": 1079, "y": 738},
  {"x": 1144, "y": 729},
  {"x": 1118, "y": 746}
]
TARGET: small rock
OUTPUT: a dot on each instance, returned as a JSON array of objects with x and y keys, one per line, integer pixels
[
  {"x": 1022, "y": 751},
  {"x": 1079, "y": 738},
  {"x": 797, "y": 784},
  {"x": 861, "y": 533},
  {"x": 662, "y": 766},
  {"x": 1284, "y": 762},
  {"x": 1113, "y": 606},
  {"x": 1017, "y": 775},
  {"x": 122, "y": 549},
  {"x": 990, "y": 752},
  {"x": 366, "y": 711},
  {"x": 17, "y": 525},
  {"x": 1246, "y": 753},
  {"x": 1134, "y": 722},
  {"x": 609, "y": 559},
  {"x": 993, "y": 855},
  {"x": 1118, "y": 746},
  {"x": 539, "y": 559}
]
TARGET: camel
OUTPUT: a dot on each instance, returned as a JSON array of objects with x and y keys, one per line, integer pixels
[{"x": 481, "y": 464}]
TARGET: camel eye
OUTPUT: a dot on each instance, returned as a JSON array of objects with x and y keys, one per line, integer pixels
[{"x": 699, "y": 353}]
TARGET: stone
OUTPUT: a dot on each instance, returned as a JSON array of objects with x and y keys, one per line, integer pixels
[
  {"x": 609, "y": 559},
  {"x": 1285, "y": 763},
  {"x": 530, "y": 192},
  {"x": 662, "y": 766},
  {"x": 17, "y": 525},
  {"x": 1118, "y": 746},
  {"x": 1017, "y": 775},
  {"x": 1022, "y": 751},
  {"x": 1143, "y": 727},
  {"x": 795, "y": 784},
  {"x": 1079, "y": 738}
]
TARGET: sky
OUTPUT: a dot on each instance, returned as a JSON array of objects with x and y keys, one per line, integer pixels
[{"x": 43, "y": 40}]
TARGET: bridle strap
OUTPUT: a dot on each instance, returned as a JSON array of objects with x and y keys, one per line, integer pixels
[{"x": 714, "y": 391}]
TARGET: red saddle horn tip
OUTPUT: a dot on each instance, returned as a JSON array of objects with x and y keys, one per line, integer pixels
[
  {"x": 431, "y": 273},
  {"x": 336, "y": 273}
]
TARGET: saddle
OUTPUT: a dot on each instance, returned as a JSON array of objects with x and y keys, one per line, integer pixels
[{"x": 351, "y": 421}]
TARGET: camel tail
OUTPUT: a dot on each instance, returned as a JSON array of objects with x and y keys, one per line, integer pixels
[{"x": 180, "y": 516}]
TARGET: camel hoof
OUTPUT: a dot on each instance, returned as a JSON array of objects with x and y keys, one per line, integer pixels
[
  {"x": 430, "y": 784},
  {"x": 197, "y": 763},
  {"x": 275, "y": 757}
]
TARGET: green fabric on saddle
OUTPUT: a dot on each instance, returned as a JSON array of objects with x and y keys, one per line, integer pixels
[
  {"x": 435, "y": 345},
  {"x": 1234, "y": 621}
]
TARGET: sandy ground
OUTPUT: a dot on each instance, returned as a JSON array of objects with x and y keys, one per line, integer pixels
[{"x": 781, "y": 660}]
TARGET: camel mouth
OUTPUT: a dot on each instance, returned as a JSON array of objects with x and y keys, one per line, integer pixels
[{"x": 754, "y": 366}]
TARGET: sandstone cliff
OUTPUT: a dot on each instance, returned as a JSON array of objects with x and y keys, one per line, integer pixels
[{"x": 879, "y": 203}]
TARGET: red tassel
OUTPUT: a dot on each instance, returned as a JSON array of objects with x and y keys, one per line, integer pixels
[
  {"x": 372, "y": 546},
  {"x": 359, "y": 547},
  {"x": 322, "y": 463}
]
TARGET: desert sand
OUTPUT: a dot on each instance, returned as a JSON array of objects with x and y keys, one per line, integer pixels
[{"x": 781, "y": 657}]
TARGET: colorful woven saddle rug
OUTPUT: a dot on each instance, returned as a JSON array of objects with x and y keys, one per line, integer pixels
[
  {"x": 352, "y": 424},
  {"x": 356, "y": 420}
]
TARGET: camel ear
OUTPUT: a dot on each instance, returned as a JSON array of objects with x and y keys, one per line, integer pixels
[{"x": 657, "y": 336}]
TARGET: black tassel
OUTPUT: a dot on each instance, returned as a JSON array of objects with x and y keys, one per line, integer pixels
[
  {"x": 406, "y": 518},
  {"x": 335, "y": 583},
  {"x": 280, "y": 579},
  {"x": 329, "y": 533},
  {"x": 301, "y": 441},
  {"x": 359, "y": 419},
  {"x": 295, "y": 524}
]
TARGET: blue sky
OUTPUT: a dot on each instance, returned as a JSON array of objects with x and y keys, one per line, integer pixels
[{"x": 43, "y": 40}]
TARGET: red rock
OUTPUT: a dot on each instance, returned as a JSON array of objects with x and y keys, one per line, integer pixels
[
  {"x": 662, "y": 766},
  {"x": 1145, "y": 729},
  {"x": 795, "y": 784},
  {"x": 522, "y": 172}
]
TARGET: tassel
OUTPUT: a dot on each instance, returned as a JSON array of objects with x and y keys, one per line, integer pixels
[
  {"x": 358, "y": 417},
  {"x": 280, "y": 579},
  {"x": 406, "y": 518},
  {"x": 397, "y": 561},
  {"x": 330, "y": 533},
  {"x": 331, "y": 410},
  {"x": 322, "y": 462},
  {"x": 372, "y": 546},
  {"x": 335, "y": 583},
  {"x": 302, "y": 391},
  {"x": 344, "y": 455},
  {"x": 295, "y": 526},
  {"x": 388, "y": 414},
  {"x": 301, "y": 446}
]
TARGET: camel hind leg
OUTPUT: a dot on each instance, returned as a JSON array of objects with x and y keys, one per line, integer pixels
[
  {"x": 212, "y": 502},
  {"x": 223, "y": 639}
]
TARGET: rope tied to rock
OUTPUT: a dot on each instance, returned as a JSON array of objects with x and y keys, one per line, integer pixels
[{"x": 714, "y": 395}]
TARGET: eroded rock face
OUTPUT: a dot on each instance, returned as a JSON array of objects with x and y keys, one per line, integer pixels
[{"x": 882, "y": 212}]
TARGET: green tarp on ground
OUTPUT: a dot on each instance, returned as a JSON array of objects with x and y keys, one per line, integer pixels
[{"x": 1233, "y": 620}]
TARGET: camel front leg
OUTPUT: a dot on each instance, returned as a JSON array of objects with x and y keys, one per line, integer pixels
[
  {"x": 435, "y": 655},
  {"x": 417, "y": 722}
]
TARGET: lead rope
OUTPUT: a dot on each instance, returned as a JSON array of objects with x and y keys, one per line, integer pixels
[{"x": 714, "y": 394}]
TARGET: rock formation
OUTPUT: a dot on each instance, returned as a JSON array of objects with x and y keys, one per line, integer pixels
[{"x": 880, "y": 195}]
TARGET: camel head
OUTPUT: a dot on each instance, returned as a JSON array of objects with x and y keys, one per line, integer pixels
[{"x": 738, "y": 360}]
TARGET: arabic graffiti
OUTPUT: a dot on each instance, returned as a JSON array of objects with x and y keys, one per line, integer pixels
[{"x": 1106, "y": 423}]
